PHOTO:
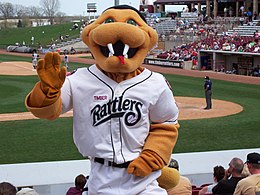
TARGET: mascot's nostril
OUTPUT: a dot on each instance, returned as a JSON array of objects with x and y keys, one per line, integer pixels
[{"x": 118, "y": 47}]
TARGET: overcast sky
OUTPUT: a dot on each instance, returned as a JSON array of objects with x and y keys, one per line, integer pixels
[{"x": 77, "y": 7}]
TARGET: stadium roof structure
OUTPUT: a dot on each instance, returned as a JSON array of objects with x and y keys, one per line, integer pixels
[
  {"x": 178, "y": 2},
  {"x": 184, "y": 2}
]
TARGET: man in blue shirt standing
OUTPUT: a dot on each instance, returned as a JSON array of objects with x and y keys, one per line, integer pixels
[{"x": 208, "y": 92}]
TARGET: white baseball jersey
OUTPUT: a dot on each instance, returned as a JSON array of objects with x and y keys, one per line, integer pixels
[
  {"x": 35, "y": 56},
  {"x": 111, "y": 120},
  {"x": 66, "y": 58}
]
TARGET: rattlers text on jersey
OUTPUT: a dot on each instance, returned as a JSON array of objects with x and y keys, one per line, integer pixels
[{"x": 112, "y": 121}]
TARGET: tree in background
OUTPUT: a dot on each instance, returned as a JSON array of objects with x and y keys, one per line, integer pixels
[
  {"x": 6, "y": 11},
  {"x": 23, "y": 14},
  {"x": 60, "y": 17},
  {"x": 50, "y": 8},
  {"x": 20, "y": 11},
  {"x": 36, "y": 13}
]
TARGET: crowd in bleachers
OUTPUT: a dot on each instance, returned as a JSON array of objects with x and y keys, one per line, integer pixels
[
  {"x": 239, "y": 178},
  {"x": 233, "y": 43}
]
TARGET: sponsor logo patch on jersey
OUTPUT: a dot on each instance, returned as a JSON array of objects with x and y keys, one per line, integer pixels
[{"x": 100, "y": 97}]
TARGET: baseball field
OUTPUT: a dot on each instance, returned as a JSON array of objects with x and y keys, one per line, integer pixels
[{"x": 233, "y": 123}]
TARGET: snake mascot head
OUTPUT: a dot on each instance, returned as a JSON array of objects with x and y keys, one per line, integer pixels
[{"x": 124, "y": 115}]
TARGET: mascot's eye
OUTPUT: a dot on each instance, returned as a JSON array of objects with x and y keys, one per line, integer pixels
[
  {"x": 109, "y": 20},
  {"x": 131, "y": 21}
]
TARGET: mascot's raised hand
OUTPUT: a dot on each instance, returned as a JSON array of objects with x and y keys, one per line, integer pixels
[
  {"x": 47, "y": 91},
  {"x": 51, "y": 75}
]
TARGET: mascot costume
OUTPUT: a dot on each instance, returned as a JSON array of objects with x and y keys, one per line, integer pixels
[{"x": 124, "y": 115}]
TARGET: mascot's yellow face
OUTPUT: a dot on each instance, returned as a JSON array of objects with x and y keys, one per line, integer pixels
[{"x": 119, "y": 40}]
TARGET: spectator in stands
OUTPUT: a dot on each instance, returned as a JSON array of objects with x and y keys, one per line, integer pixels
[
  {"x": 240, "y": 48},
  {"x": 245, "y": 172},
  {"x": 242, "y": 9},
  {"x": 184, "y": 187},
  {"x": 193, "y": 9},
  {"x": 251, "y": 184},
  {"x": 72, "y": 51},
  {"x": 27, "y": 191},
  {"x": 215, "y": 46},
  {"x": 256, "y": 71},
  {"x": 32, "y": 40},
  {"x": 80, "y": 182},
  {"x": 52, "y": 48},
  {"x": 226, "y": 46},
  {"x": 203, "y": 45},
  {"x": 61, "y": 38},
  {"x": 241, "y": 20},
  {"x": 254, "y": 16},
  {"x": 256, "y": 34},
  {"x": 232, "y": 176},
  {"x": 75, "y": 26},
  {"x": 7, "y": 188},
  {"x": 39, "y": 47},
  {"x": 225, "y": 11},
  {"x": 186, "y": 10},
  {"x": 218, "y": 174},
  {"x": 249, "y": 15},
  {"x": 230, "y": 10}
]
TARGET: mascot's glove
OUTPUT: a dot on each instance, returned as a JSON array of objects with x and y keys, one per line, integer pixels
[
  {"x": 51, "y": 76},
  {"x": 47, "y": 91},
  {"x": 169, "y": 178},
  {"x": 147, "y": 162},
  {"x": 157, "y": 150},
  {"x": 44, "y": 100}
]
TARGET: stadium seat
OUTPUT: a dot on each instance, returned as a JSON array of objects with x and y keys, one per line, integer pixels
[
  {"x": 194, "y": 186},
  {"x": 205, "y": 184},
  {"x": 195, "y": 192}
]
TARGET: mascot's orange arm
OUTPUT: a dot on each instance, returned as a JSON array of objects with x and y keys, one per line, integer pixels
[
  {"x": 162, "y": 139},
  {"x": 157, "y": 150},
  {"x": 41, "y": 106}
]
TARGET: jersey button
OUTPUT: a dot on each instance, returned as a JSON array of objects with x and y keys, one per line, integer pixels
[{"x": 118, "y": 92}]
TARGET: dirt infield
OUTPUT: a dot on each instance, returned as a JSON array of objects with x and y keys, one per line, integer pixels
[
  {"x": 190, "y": 108},
  {"x": 17, "y": 68}
]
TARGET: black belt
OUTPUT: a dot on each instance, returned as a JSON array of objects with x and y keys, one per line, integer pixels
[{"x": 112, "y": 164}]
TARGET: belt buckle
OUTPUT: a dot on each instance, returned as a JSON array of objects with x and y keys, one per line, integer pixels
[{"x": 113, "y": 164}]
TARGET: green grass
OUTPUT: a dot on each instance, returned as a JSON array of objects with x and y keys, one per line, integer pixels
[
  {"x": 7, "y": 58},
  {"x": 11, "y": 36},
  {"x": 42, "y": 140},
  {"x": 37, "y": 141}
]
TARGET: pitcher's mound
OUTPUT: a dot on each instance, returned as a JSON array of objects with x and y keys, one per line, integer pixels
[{"x": 193, "y": 108}]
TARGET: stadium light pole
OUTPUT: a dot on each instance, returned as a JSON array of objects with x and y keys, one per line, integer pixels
[{"x": 116, "y": 2}]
